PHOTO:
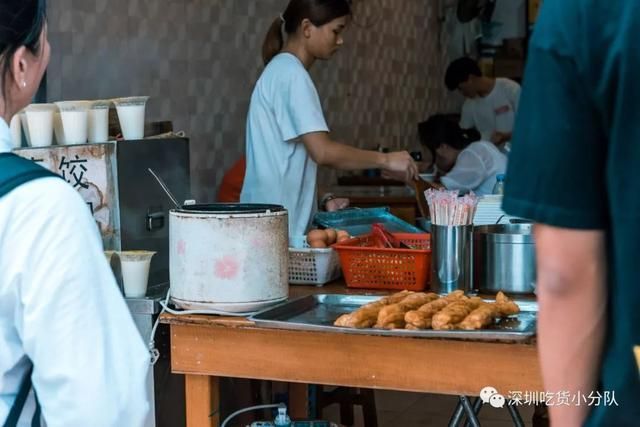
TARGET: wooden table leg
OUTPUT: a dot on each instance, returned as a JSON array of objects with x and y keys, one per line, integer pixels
[
  {"x": 202, "y": 395},
  {"x": 298, "y": 401}
]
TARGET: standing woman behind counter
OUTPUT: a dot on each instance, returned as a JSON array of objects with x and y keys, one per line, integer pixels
[{"x": 287, "y": 135}]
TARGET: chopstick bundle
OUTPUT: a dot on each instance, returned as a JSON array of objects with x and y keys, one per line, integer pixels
[{"x": 447, "y": 208}]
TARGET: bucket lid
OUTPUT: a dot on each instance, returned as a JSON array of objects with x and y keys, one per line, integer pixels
[{"x": 231, "y": 208}]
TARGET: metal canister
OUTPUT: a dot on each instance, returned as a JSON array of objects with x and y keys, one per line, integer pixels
[
  {"x": 228, "y": 257},
  {"x": 504, "y": 258},
  {"x": 451, "y": 258}
]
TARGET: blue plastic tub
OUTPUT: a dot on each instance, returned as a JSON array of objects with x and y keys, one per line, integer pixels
[{"x": 358, "y": 221}]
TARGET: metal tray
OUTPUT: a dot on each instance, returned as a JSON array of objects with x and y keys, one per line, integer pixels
[
  {"x": 318, "y": 312},
  {"x": 358, "y": 221}
]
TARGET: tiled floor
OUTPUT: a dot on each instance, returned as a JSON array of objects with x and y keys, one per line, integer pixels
[{"x": 397, "y": 409}]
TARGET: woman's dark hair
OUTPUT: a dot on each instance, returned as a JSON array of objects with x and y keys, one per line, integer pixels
[
  {"x": 21, "y": 23},
  {"x": 459, "y": 71},
  {"x": 319, "y": 12},
  {"x": 440, "y": 129}
]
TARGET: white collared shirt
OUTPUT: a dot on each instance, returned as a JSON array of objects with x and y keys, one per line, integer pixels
[
  {"x": 495, "y": 112},
  {"x": 476, "y": 169},
  {"x": 60, "y": 307}
]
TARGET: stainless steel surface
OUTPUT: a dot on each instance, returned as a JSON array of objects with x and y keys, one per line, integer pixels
[
  {"x": 142, "y": 200},
  {"x": 504, "y": 258},
  {"x": 165, "y": 188},
  {"x": 318, "y": 312},
  {"x": 150, "y": 304},
  {"x": 451, "y": 258}
]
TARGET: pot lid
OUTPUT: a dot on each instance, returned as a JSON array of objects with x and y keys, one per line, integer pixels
[{"x": 231, "y": 208}]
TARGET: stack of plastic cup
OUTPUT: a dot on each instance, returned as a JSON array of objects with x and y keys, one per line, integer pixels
[
  {"x": 40, "y": 124},
  {"x": 74, "y": 117},
  {"x": 131, "y": 116}
]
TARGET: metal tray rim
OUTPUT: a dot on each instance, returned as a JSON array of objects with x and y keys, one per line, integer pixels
[{"x": 268, "y": 318}]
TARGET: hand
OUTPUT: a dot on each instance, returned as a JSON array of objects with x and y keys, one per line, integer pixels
[
  {"x": 499, "y": 138},
  {"x": 336, "y": 204},
  {"x": 401, "y": 165}
]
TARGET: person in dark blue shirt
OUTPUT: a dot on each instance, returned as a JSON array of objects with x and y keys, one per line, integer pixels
[{"x": 573, "y": 169}]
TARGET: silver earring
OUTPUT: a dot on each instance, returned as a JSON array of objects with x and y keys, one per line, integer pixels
[{"x": 24, "y": 84}]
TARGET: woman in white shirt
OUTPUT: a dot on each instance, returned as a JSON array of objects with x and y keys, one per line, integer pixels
[
  {"x": 65, "y": 331},
  {"x": 287, "y": 136},
  {"x": 466, "y": 162}
]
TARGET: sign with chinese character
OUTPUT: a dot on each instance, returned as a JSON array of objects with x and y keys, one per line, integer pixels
[{"x": 90, "y": 169}]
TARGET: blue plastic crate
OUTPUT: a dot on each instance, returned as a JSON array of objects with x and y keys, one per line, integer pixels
[{"x": 358, "y": 221}]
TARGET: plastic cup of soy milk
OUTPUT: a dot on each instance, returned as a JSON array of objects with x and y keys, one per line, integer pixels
[
  {"x": 131, "y": 116},
  {"x": 135, "y": 272}
]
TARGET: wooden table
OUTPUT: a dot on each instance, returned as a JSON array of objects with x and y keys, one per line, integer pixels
[{"x": 205, "y": 348}]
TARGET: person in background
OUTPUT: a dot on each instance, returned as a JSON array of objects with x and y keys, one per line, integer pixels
[
  {"x": 66, "y": 335},
  {"x": 490, "y": 105},
  {"x": 231, "y": 186},
  {"x": 573, "y": 170},
  {"x": 287, "y": 136},
  {"x": 464, "y": 162}
]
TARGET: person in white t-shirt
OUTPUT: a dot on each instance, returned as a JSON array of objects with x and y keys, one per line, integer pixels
[
  {"x": 490, "y": 105},
  {"x": 287, "y": 135},
  {"x": 465, "y": 162},
  {"x": 66, "y": 334}
]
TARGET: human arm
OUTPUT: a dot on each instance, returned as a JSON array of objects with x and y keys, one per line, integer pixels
[
  {"x": 327, "y": 152},
  {"x": 90, "y": 364},
  {"x": 555, "y": 181},
  {"x": 571, "y": 290}
]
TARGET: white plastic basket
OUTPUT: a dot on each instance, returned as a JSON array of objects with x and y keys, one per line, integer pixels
[{"x": 309, "y": 266}]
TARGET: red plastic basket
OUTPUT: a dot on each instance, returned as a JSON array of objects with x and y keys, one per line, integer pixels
[{"x": 369, "y": 267}]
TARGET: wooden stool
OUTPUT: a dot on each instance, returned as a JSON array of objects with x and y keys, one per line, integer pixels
[{"x": 347, "y": 398}]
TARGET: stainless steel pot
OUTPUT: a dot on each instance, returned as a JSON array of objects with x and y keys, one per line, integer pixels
[{"x": 504, "y": 258}]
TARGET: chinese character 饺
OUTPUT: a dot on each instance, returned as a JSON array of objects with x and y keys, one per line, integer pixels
[{"x": 73, "y": 171}]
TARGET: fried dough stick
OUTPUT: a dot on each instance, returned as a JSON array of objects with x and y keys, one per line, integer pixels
[
  {"x": 392, "y": 316},
  {"x": 421, "y": 318},
  {"x": 506, "y": 305},
  {"x": 454, "y": 313},
  {"x": 486, "y": 314},
  {"x": 367, "y": 315}
]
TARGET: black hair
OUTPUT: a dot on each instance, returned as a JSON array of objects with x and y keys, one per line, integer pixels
[
  {"x": 319, "y": 12},
  {"x": 440, "y": 129},
  {"x": 459, "y": 71},
  {"x": 21, "y": 24}
]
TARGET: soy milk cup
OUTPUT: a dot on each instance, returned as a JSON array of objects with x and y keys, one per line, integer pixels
[
  {"x": 135, "y": 272},
  {"x": 131, "y": 112},
  {"x": 74, "y": 115},
  {"x": 40, "y": 123},
  {"x": 99, "y": 121}
]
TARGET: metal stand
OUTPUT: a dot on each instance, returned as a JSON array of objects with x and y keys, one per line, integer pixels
[{"x": 465, "y": 407}]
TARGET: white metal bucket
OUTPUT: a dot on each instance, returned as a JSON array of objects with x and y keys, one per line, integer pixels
[{"x": 228, "y": 257}]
